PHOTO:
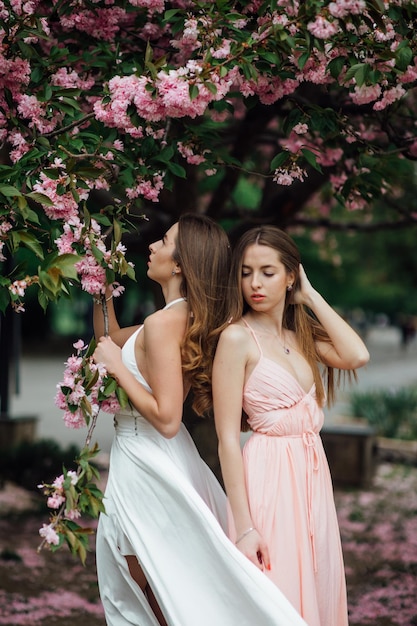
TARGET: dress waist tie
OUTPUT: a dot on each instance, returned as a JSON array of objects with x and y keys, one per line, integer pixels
[
  {"x": 309, "y": 438},
  {"x": 310, "y": 441}
]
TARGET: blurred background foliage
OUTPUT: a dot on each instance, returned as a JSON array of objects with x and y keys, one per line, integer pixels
[{"x": 367, "y": 275}]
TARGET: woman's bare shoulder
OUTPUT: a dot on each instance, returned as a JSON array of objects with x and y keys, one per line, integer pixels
[
  {"x": 165, "y": 321},
  {"x": 235, "y": 334}
]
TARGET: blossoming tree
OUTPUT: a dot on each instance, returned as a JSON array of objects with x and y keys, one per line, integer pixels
[{"x": 176, "y": 103}]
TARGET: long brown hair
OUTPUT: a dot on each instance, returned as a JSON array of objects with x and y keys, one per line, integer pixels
[
  {"x": 295, "y": 317},
  {"x": 203, "y": 253}
]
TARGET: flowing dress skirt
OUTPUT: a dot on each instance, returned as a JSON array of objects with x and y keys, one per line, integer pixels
[{"x": 164, "y": 505}]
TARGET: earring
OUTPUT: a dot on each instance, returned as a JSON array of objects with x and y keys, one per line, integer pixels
[
  {"x": 173, "y": 273},
  {"x": 289, "y": 287}
]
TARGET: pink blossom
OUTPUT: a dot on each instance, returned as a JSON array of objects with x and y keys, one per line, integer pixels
[
  {"x": 74, "y": 420},
  {"x": 110, "y": 405},
  {"x": 366, "y": 94},
  {"x": 355, "y": 203},
  {"x": 59, "y": 482},
  {"x": 410, "y": 75},
  {"x": 329, "y": 156},
  {"x": 55, "y": 501},
  {"x": 20, "y": 145},
  {"x": 322, "y": 28},
  {"x": 117, "y": 290},
  {"x": 18, "y": 288},
  {"x": 118, "y": 145},
  {"x": 385, "y": 35},
  {"x": 77, "y": 394},
  {"x": 93, "y": 275},
  {"x": 70, "y": 79},
  {"x": 74, "y": 477},
  {"x": 300, "y": 129},
  {"x": 102, "y": 23},
  {"x": 152, "y": 5},
  {"x": 79, "y": 345},
  {"x": 282, "y": 178},
  {"x": 64, "y": 206},
  {"x": 286, "y": 177},
  {"x": 389, "y": 96},
  {"x": 222, "y": 52},
  {"x": 73, "y": 514},
  {"x": 187, "y": 151},
  {"x": 342, "y": 8},
  {"x": 49, "y": 534},
  {"x": 60, "y": 399},
  {"x": 30, "y": 108},
  {"x": 73, "y": 362},
  {"x": 148, "y": 189}
]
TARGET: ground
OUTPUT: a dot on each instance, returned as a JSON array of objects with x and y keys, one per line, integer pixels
[{"x": 379, "y": 535}]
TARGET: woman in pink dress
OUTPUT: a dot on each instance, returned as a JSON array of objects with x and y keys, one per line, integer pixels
[{"x": 283, "y": 335}]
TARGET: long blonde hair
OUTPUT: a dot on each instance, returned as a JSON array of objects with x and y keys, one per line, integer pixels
[
  {"x": 203, "y": 253},
  {"x": 295, "y": 317}
]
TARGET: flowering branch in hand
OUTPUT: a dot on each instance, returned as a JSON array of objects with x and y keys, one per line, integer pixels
[
  {"x": 70, "y": 496},
  {"x": 85, "y": 389}
]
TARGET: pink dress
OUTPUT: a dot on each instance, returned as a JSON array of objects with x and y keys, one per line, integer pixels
[{"x": 291, "y": 495}]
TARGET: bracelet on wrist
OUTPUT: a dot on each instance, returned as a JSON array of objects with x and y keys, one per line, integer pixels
[
  {"x": 249, "y": 530},
  {"x": 97, "y": 301}
]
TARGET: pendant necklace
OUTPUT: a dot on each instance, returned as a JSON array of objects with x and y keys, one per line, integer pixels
[{"x": 284, "y": 347}]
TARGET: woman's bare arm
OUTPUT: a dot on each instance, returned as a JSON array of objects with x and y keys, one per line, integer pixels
[
  {"x": 228, "y": 381},
  {"x": 346, "y": 350},
  {"x": 163, "y": 332}
]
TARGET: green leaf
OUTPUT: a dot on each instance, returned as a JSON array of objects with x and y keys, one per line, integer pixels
[
  {"x": 166, "y": 154},
  {"x": 66, "y": 264},
  {"x": 335, "y": 66},
  {"x": 110, "y": 387},
  {"x": 39, "y": 197},
  {"x": 30, "y": 242},
  {"x": 279, "y": 160},
  {"x": 122, "y": 397},
  {"x": 193, "y": 91},
  {"x": 176, "y": 169},
  {"x": 303, "y": 59},
  {"x": 357, "y": 71},
  {"x": 403, "y": 57},
  {"x": 310, "y": 157},
  {"x": 211, "y": 87},
  {"x": 117, "y": 230},
  {"x": 170, "y": 13},
  {"x": 9, "y": 191}
]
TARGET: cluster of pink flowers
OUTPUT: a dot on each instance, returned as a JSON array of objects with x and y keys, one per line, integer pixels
[
  {"x": 17, "y": 290},
  {"x": 167, "y": 96},
  {"x": 5, "y": 226},
  {"x": 188, "y": 151},
  {"x": 57, "y": 500},
  {"x": 286, "y": 176},
  {"x": 80, "y": 393},
  {"x": 146, "y": 187}
]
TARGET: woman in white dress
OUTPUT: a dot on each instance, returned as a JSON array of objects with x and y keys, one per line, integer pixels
[{"x": 163, "y": 557}]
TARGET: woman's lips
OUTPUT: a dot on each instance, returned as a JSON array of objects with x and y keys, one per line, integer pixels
[{"x": 257, "y": 297}]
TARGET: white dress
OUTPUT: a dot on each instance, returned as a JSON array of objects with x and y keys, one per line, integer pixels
[{"x": 164, "y": 505}]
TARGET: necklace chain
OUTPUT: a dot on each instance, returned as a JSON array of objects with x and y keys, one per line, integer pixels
[{"x": 284, "y": 347}]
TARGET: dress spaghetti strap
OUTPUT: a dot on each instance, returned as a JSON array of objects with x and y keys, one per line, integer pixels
[{"x": 253, "y": 335}]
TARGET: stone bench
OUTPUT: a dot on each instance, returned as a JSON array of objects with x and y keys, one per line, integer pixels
[{"x": 351, "y": 450}]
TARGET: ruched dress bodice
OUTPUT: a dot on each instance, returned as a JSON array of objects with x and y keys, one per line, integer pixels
[{"x": 272, "y": 400}]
